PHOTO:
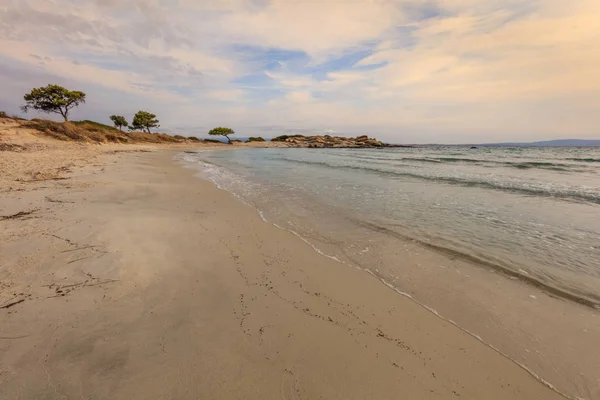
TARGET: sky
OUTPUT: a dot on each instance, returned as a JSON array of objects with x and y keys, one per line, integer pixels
[{"x": 404, "y": 71}]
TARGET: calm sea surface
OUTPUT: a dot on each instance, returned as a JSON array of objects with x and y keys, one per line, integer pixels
[{"x": 531, "y": 212}]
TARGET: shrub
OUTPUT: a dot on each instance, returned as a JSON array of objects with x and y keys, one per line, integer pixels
[
  {"x": 57, "y": 130},
  {"x": 111, "y": 137},
  {"x": 3, "y": 114},
  {"x": 93, "y": 125},
  {"x": 282, "y": 138},
  {"x": 255, "y": 139}
]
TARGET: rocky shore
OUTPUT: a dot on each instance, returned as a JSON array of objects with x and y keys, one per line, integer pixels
[{"x": 330, "y": 141}]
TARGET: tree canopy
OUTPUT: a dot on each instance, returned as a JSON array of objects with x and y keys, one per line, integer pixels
[
  {"x": 53, "y": 99},
  {"x": 119, "y": 121},
  {"x": 144, "y": 120},
  {"x": 221, "y": 131}
]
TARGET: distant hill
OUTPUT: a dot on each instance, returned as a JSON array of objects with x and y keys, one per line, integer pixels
[{"x": 549, "y": 143}]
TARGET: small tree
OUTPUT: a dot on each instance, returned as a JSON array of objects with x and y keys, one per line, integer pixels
[
  {"x": 220, "y": 131},
  {"x": 144, "y": 120},
  {"x": 53, "y": 99},
  {"x": 119, "y": 121}
]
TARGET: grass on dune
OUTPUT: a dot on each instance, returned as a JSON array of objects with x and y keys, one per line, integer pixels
[{"x": 95, "y": 132}]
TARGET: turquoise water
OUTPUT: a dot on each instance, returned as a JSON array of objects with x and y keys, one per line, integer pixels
[{"x": 533, "y": 213}]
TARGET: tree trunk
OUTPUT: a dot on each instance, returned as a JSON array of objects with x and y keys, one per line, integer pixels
[{"x": 228, "y": 138}]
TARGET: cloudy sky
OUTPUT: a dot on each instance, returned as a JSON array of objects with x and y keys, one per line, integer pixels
[{"x": 406, "y": 71}]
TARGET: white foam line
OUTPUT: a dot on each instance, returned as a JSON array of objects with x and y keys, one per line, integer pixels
[
  {"x": 334, "y": 258},
  {"x": 410, "y": 297}
]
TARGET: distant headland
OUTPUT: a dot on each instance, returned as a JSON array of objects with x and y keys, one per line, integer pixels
[{"x": 327, "y": 141}]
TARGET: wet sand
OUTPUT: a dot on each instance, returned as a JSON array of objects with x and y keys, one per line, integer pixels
[{"x": 134, "y": 279}]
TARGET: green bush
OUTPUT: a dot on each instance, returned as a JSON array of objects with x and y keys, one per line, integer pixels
[
  {"x": 255, "y": 139},
  {"x": 282, "y": 138},
  {"x": 93, "y": 125}
]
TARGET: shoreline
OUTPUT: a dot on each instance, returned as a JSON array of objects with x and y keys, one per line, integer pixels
[
  {"x": 171, "y": 286},
  {"x": 513, "y": 317},
  {"x": 429, "y": 309},
  {"x": 579, "y": 296}
]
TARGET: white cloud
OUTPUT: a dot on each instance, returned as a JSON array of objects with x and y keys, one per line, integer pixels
[
  {"x": 316, "y": 27},
  {"x": 227, "y": 95}
]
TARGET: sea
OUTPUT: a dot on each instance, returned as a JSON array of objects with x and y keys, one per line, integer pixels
[{"x": 446, "y": 226}]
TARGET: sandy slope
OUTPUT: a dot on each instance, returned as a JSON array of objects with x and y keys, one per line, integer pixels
[{"x": 140, "y": 281}]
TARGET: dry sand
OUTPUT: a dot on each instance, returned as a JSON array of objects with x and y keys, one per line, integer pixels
[{"x": 129, "y": 278}]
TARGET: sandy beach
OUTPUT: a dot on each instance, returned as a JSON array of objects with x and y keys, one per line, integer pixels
[{"x": 127, "y": 277}]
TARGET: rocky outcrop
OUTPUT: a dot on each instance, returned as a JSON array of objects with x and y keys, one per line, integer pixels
[{"x": 329, "y": 141}]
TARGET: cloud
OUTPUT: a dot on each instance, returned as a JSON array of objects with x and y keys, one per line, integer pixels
[
  {"x": 403, "y": 70},
  {"x": 318, "y": 28}
]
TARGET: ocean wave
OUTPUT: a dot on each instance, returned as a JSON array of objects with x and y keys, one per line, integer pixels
[
  {"x": 573, "y": 294},
  {"x": 460, "y": 159},
  {"x": 511, "y": 164},
  {"x": 510, "y": 186},
  {"x": 589, "y": 160},
  {"x": 555, "y": 166}
]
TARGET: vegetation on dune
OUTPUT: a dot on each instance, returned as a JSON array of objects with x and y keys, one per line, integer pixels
[
  {"x": 3, "y": 114},
  {"x": 59, "y": 100},
  {"x": 53, "y": 99},
  {"x": 255, "y": 139},
  {"x": 94, "y": 132},
  {"x": 119, "y": 121},
  {"x": 143, "y": 120},
  {"x": 222, "y": 131},
  {"x": 93, "y": 125},
  {"x": 81, "y": 131},
  {"x": 212, "y": 141}
]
